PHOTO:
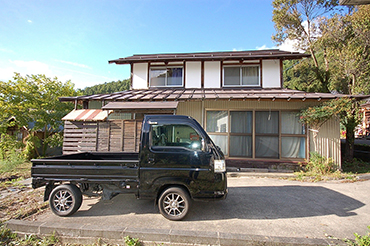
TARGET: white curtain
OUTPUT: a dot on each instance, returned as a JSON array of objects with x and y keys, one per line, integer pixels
[
  {"x": 267, "y": 122},
  {"x": 220, "y": 141},
  {"x": 250, "y": 76},
  {"x": 267, "y": 147},
  {"x": 292, "y": 147},
  {"x": 290, "y": 123},
  {"x": 241, "y": 121},
  {"x": 241, "y": 146}
]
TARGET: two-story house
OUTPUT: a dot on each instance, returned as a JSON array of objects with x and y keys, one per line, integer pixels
[{"x": 238, "y": 97}]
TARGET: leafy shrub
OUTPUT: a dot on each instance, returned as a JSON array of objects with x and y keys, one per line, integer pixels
[
  {"x": 361, "y": 240},
  {"x": 320, "y": 168},
  {"x": 129, "y": 241},
  {"x": 320, "y": 165}
]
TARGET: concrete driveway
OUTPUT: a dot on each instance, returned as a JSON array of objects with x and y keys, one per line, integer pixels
[{"x": 257, "y": 210}]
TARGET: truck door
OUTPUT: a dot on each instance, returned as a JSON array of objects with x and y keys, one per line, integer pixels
[{"x": 175, "y": 152}]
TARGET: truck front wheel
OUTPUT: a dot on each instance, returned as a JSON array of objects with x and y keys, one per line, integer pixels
[
  {"x": 65, "y": 200},
  {"x": 174, "y": 203}
]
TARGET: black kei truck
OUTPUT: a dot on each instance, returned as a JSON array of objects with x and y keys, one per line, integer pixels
[{"x": 177, "y": 162}]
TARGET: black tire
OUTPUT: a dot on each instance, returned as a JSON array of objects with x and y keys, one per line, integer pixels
[
  {"x": 174, "y": 203},
  {"x": 65, "y": 200}
]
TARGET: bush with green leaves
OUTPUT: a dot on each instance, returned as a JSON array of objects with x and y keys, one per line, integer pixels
[
  {"x": 361, "y": 240},
  {"x": 320, "y": 165},
  {"x": 11, "y": 155}
]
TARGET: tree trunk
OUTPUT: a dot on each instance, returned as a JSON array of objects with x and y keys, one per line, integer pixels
[
  {"x": 349, "y": 147},
  {"x": 44, "y": 142}
]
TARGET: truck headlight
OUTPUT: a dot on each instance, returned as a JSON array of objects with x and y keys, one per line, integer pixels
[{"x": 220, "y": 166}]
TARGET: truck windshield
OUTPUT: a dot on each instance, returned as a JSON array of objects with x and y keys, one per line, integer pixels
[{"x": 175, "y": 136}]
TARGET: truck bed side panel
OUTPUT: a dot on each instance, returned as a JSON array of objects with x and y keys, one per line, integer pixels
[{"x": 86, "y": 168}]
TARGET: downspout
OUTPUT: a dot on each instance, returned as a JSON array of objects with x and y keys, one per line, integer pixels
[{"x": 203, "y": 123}]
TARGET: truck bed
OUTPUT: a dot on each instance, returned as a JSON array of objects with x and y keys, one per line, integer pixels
[{"x": 87, "y": 167}]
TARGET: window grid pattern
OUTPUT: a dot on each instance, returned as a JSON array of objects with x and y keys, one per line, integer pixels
[{"x": 258, "y": 134}]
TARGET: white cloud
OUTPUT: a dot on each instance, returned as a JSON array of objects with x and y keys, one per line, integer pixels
[
  {"x": 264, "y": 47},
  {"x": 6, "y": 73},
  {"x": 74, "y": 64},
  {"x": 32, "y": 67},
  {"x": 29, "y": 21},
  {"x": 289, "y": 45},
  {"x": 6, "y": 50}
]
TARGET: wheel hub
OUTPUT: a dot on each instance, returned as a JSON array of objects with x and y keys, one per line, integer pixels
[{"x": 174, "y": 204}]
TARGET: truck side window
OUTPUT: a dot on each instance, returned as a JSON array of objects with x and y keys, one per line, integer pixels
[{"x": 175, "y": 136}]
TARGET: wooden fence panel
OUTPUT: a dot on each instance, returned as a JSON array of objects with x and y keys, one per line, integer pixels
[
  {"x": 103, "y": 137},
  {"x": 79, "y": 137},
  {"x": 114, "y": 135}
]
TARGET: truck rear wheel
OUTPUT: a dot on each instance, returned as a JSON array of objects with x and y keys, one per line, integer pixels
[
  {"x": 65, "y": 200},
  {"x": 174, "y": 203}
]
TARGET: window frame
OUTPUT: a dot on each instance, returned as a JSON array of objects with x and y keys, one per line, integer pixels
[
  {"x": 296, "y": 135},
  {"x": 241, "y": 75},
  {"x": 272, "y": 135},
  {"x": 183, "y": 147},
  {"x": 166, "y": 78},
  {"x": 253, "y": 134}
]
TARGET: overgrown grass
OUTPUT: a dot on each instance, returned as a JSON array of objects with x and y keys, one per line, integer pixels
[
  {"x": 13, "y": 166},
  {"x": 356, "y": 166},
  {"x": 7, "y": 237},
  {"x": 11, "y": 161},
  {"x": 321, "y": 168}
]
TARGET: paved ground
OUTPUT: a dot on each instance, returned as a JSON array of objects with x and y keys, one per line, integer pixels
[{"x": 257, "y": 210}]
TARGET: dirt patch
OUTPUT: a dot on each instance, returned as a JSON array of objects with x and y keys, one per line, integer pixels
[{"x": 21, "y": 201}]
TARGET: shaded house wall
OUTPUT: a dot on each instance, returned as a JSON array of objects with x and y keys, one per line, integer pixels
[{"x": 328, "y": 138}]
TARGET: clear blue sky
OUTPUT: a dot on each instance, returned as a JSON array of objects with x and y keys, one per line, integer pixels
[{"x": 75, "y": 39}]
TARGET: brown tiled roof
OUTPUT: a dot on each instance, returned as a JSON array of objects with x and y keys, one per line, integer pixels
[
  {"x": 180, "y": 94},
  {"x": 212, "y": 56}
]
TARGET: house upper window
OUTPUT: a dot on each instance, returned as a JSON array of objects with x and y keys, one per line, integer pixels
[
  {"x": 242, "y": 76},
  {"x": 166, "y": 77}
]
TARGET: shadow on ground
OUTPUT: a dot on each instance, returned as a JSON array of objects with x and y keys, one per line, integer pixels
[{"x": 266, "y": 202}]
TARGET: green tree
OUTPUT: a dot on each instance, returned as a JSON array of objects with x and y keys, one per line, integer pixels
[
  {"x": 34, "y": 102},
  {"x": 346, "y": 39},
  {"x": 339, "y": 46},
  {"x": 107, "y": 87},
  {"x": 299, "y": 20}
]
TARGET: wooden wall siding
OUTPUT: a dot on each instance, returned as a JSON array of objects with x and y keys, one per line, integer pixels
[{"x": 113, "y": 136}]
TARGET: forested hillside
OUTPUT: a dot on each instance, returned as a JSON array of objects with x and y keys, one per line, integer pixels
[{"x": 107, "y": 87}]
